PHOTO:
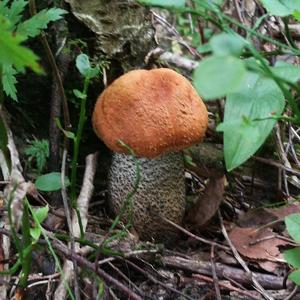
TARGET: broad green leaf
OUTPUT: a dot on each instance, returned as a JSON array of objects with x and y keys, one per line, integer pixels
[
  {"x": 217, "y": 76},
  {"x": 281, "y": 7},
  {"x": 164, "y": 3},
  {"x": 11, "y": 52},
  {"x": 33, "y": 26},
  {"x": 50, "y": 182},
  {"x": 9, "y": 81},
  {"x": 287, "y": 71},
  {"x": 258, "y": 98},
  {"x": 292, "y": 223},
  {"x": 295, "y": 276},
  {"x": 292, "y": 257},
  {"x": 41, "y": 213},
  {"x": 227, "y": 44}
]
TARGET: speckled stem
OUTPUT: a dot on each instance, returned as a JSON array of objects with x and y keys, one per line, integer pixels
[{"x": 161, "y": 192}]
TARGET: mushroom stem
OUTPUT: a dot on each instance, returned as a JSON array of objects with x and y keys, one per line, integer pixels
[{"x": 161, "y": 192}]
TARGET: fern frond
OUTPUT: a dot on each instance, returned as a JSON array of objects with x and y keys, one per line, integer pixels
[{"x": 33, "y": 26}]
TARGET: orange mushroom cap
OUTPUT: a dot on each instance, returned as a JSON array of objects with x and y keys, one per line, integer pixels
[{"x": 154, "y": 112}]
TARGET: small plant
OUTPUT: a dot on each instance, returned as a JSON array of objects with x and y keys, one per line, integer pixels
[
  {"x": 13, "y": 31},
  {"x": 292, "y": 256},
  {"x": 37, "y": 153}
]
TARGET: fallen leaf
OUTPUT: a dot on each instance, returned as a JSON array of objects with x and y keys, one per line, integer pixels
[
  {"x": 284, "y": 211},
  {"x": 260, "y": 245},
  {"x": 207, "y": 205}
]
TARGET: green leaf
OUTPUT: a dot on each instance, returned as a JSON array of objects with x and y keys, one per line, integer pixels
[
  {"x": 217, "y": 76},
  {"x": 227, "y": 44},
  {"x": 295, "y": 276},
  {"x": 79, "y": 94},
  {"x": 296, "y": 15},
  {"x": 68, "y": 134},
  {"x": 83, "y": 64},
  {"x": 164, "y": 3},
  {"x": 11, "y": 52},
  {"x": 50, "y": 182},
  {"x": 15, "y": 13},
  {"x": 281, "y": 7},
  {"x": 41, "y": 213},
  {"x": 292, "y": 223},
  {"x": 244, "y": 131},
  {"x": 9, "y": 81},
  {"x": 35, "y": 233},
  {"x": 292, "y": 257},
  {"x": 287, "y": 71},
  {"x": 33, "y": 26}
]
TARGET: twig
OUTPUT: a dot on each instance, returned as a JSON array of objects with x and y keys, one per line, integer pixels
[
  {"x": 171, "y": 58},
  {"x": 82, "y": 205},
  {"x": 193, "y": 235},
  {"x": 293, "y": 179},
  {"x": 251, "y": 275},
  {"x": 223, "y": 271},
  {"x": 156, "y": 281},
  {"x": 215, "y": 276},
  {"x": 17, "y": 188},
  {"x": 85, "y": 263},
  {"x": 226, "y": 286}
]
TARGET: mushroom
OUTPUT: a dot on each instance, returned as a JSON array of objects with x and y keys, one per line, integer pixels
[{"x": 157, "y": 113}]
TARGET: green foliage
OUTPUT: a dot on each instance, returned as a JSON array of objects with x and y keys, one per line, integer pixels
[
  {"x": 212, "y": 83},
  {"x": 292, "y": 256},
  {"x": 38, "y": 152},
  {"x": 50, "y": 182},
  {"x": 39, "y": 215},
  {"x": 13, "y": 31},
  {"x": 164, "y": 3},
  {"x": 86, "y": 70},
  {"x": 281, "y": 8},
  {"x": 33, "y": 26},
  {"x": 248, "y": 117}
]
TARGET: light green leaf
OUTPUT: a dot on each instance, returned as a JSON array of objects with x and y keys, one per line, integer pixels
[
  {"x": 15, "y": 13},
  {"x": 217, "y": 76},
  {"x": 35, "y": 233},
  {"x": 281, "y": 7},
  {"x": 9, "y": 81},
  {"x": 296, "y": 15},
  {"x": 33, "y": 26},
  {"x": 164, "y": 3},
  {"x": 50, "y": 182},
  {"x": 79, "y": 94},
  {"x": 83, "y": 64},
  {"x": 11, "y": 52},
  {"x": 227, "y": 44},
  {"x": 67, "y": 133},
  {"x": 287, "y": 71},
  {"x": 295, "y": 276},
  {"x": 292, "y": 223},
  {"x": 258, "y": 98},
  {"x": 41, "y": 213},
  {"x": 292, "y": 257}
]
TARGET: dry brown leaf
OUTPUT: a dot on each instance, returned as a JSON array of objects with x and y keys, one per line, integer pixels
[
  {"x": 284, "y": 211},
  {"x": 257, "y": 244},
  {"x": 207, "y": 204}
]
